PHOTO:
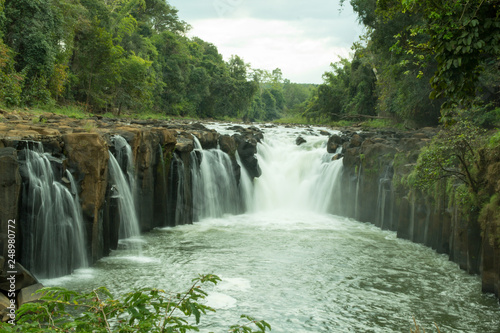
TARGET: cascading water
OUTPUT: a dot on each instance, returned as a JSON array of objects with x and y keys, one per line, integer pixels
[
  {"x": 246, "y": 186},
  {"x": 124, "y": 157},
  {"x": 215, "y": 191},
  {"x": 384, "y": 195},
  {"x": 176, "y": 208},
  {"x": 53, "y": 230},
  {"x": 296, "y": 177},
  {"x": 122, "y": 190}
]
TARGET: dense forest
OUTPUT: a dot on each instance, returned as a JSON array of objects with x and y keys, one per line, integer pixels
[
  {"x": 419, "y": 62},
  {"x": 128, "y": 55}
]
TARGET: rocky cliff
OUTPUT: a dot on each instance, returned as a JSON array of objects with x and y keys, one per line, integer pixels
[
  {"x": 377, "y": 167},
  {"x": 161, "y": 154}
]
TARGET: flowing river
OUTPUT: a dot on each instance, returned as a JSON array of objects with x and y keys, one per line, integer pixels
[{"x": 291, "y": 262}]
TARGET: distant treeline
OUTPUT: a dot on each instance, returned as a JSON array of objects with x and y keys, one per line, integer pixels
[{"x": 128, "y": 55}]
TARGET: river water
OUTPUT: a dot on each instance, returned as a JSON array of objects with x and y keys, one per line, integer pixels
[{"x": 293, "y": 263}]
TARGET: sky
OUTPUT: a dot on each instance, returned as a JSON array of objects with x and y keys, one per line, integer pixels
[{"x": 302, "y": 38}]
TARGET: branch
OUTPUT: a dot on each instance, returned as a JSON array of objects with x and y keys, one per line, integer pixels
[
  {"x": 102, "y": 310},
  {"x": 169, "y": 314}
]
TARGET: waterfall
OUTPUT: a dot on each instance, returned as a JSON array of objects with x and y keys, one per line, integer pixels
[
  {"x": 384, "y": 189},
  {"x": 246, "y": 186},
  {"x": 124, "y": 157},
  {"x": 53, "y": 230},
  {"x": 161, "y": 196},
  {"x": 176, "y": 196},
  {"x": 122, "y": 188},
  {"x": 296, "y": 177},
  {"x": 215, "y": 191},
  {"x": 356, "y": 197}
]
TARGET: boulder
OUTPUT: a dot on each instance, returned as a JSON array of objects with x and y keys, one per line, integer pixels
[
  {"x": 227, "y": 145},
  {"x": 300, "y": 140},
  {"x": 208, "y": 139},
  {"x": 23, "y": 278},
  {"x": 29, "y": 294},
  {"x": 334, "y": 142},
  {"x": 325, "y": 133},
  {"x": 184, "y": 143},
  {"x": 247, "y": 148}
]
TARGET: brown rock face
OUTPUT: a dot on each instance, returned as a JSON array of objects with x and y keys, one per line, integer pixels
[
  {"x": 88, "y": 155},
  {"x": 227, "y": 145},
  {"x": 10, "y": 188}
]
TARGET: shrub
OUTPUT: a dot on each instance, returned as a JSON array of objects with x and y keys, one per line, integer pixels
[{"x": 144, "y": 310}]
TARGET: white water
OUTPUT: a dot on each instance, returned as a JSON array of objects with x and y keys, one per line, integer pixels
[
  {"x": 301, "y": 269},
  {"x": 122, "y": 187},
  {"x": 295, "y": 177},
  {"x": 215, "y": 191},
  {"x": 53, "y": 231}
]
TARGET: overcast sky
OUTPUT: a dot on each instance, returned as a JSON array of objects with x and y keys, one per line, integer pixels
[{"x": 300, "y": 37}]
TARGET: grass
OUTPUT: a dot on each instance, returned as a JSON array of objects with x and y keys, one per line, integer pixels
[
  {"x": 78, "y": 112},
  {"x": 298, "y": 119},
  {"x": 379, "y": 124}
]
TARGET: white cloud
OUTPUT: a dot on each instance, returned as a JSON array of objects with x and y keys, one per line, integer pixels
[
  {"x": 302, "y": 38},
  {"x": 268, "y": 44}
]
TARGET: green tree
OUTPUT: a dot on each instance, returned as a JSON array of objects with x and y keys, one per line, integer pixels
[
  {"x": 33, "y": 30},
  {"x": 452, "y": 154},
  {"x": 10, "y": 81},
  {"x": 462, "y": 36},
  {"x": 96, "y": 65}
]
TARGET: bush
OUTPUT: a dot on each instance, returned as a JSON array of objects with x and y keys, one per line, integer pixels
[{"x": 144, "y": 310}]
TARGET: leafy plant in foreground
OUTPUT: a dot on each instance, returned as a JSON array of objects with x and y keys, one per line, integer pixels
[{"x": 144, "y": 310}]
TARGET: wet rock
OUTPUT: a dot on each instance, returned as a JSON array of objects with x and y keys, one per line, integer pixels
[
  {"x": 325, "y": 133},
  {"x": 29, "y": 294},
  {"x": 247, "y": 148},
  {"x": 23, "y": 278},
  {"x": 227, "y": 145},
  {"x": 208, "y": 139},
  {"x": 300, "y": 140},
  {"x": 356, "y": 140},
  {"x": 184, "y": 144},
  {"x": 333, "y": 143}
]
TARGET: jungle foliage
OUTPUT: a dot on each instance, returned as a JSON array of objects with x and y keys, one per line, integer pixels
[
  {"x": 127, "y": 55},
  {"x": 420, "y": 62}
]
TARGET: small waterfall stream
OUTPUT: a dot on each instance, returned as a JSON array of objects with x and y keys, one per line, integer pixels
[
  {"x": 123, "y": 190},
  {"x": 53, "y": 230},
  {"x": 176, "y": 198}
]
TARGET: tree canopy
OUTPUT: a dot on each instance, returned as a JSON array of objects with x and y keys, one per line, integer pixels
[
  {"x": 419, "y": 62},
  {"x": 133, "y": 55}
]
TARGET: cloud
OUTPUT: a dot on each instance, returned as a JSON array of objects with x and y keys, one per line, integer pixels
[{"x": 302, "y": 38}]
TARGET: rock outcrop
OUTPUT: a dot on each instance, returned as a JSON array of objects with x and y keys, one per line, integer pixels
[
  {"x": 375, "y": 189},
  {"x": 162, "y": 170}
]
